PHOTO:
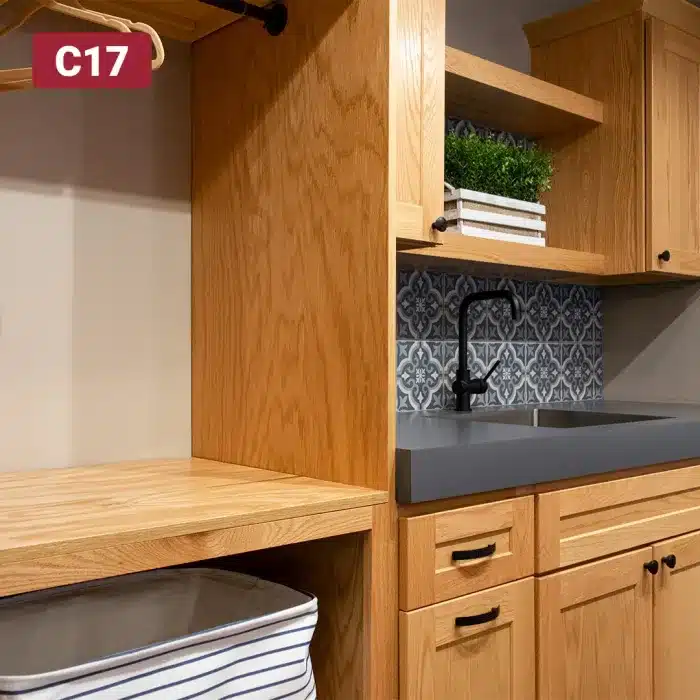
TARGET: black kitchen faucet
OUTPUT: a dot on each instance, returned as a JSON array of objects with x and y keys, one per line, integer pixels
[{"x": 464, "y": 386}]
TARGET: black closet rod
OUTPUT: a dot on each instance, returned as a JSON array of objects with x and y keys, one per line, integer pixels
[{"x": 274, "y": 16}]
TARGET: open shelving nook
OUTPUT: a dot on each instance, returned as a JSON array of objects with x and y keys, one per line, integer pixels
[{"x": 507, "y": 100}]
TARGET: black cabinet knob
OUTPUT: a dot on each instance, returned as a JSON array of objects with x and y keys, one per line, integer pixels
[
  {"x": 440, "y": 224},
  {"x": 669, "y": 561},
  {"x": 652, "y": 567},
  {"x": 665, "y": 256}
]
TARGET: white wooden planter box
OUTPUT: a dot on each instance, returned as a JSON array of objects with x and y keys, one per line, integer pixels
[{"x": 490, "y": 216}]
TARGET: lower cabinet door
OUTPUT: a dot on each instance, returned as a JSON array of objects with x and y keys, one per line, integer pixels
[
  {"x": 677, "y": 619},
  {"x": 477, "y": 647},
  {"x": 595, "y": 630}
]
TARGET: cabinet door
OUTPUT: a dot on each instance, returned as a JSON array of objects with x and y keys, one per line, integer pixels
[
  {"x": 595, "y": 631},
  {"x": 673, "y": 149},
  {"x": 676, "y": 610},
  {"x": 478, "y": 647},
  {"x": 418, "y": 104}
]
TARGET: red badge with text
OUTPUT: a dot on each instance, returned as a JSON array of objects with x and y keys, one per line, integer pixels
[{"x": 91, "y": 60}]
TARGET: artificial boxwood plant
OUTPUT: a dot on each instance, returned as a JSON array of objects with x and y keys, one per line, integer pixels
[{"x": 480, "y": 163}]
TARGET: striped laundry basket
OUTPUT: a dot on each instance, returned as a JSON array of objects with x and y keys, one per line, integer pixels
[{"x": 163, "y": 635}]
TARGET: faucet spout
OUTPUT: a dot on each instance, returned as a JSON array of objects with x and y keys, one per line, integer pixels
[{"x": 464, "y": 386}]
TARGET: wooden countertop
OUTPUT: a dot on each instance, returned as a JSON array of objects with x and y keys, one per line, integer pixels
[{"x": 60, "y": 526}]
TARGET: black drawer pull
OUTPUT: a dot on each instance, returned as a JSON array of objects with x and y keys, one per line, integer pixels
[
  {"x": 482, "y": 619},
  {"x": 480, "y": 553}
]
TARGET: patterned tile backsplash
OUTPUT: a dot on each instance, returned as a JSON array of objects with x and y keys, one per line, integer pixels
[{"x": 553, "y": 353}]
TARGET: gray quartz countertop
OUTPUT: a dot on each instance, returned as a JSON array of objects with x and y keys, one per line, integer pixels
[{"x": 444, "y": 454}]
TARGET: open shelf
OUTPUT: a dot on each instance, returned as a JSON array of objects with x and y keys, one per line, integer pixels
[
  {"x": 508, "y": 100},
  {"x": 458, "y": 248}
]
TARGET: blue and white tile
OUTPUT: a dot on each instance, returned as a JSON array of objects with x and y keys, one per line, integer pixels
[
  {"x": 509, "y": 382},
  {"x": 502, "y": 325},
  {"x": 598, "y": 319},
  {"x": 419, "y": 305},
  {"x": 418, "y": 375},
  {"x": 456, "y": 287},
  {"x": 477, "y": 363},
  {"x": 544, "y": 380},
  {"x": 578, "y": 371},
  {"x": 598, "y": 370},
  {"x": 543, "y": 313},
  {"x": 577, "y": 314}
]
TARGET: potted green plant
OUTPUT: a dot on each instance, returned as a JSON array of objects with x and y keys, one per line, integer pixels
[{"x": 492, "y": 188}]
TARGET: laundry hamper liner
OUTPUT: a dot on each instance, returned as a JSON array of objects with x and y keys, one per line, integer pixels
[{"x": 162, "y": 635}]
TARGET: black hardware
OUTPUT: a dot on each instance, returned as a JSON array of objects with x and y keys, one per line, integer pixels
[
  {"x": 464, "y": 386},
  {"x": 480, "y": 553},
  {"x": 665, "y": 256},
  {"x": 670, "y": 561},
  {"x": 472, "y": 620},
  {"x": 652, "y": 567},
  {"x": 440, "y": 224},
  {"x": 273, "y": 17}
]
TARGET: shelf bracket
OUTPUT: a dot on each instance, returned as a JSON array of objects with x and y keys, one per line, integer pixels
[{"x": 273, "y": 16}]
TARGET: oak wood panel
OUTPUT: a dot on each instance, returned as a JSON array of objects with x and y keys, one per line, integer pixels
[
  {"x": 512, "y": 101},
  {"x": 91, "y": 564},
  {"x": 58, "y": 512},
  {"x": 578, "y": 19},
  {"x": 595, "y": 631},
  {"x": 185, "y": 20},
  {"x": 597, "y": 202},
  {"x": 335, "y": 571},
  {"x": 428, "y": 541},
  {"x": 502, "y": 254},
  {"x": 418, "y": 77},
  {"x": 673, "y": 148},
  {"x": 381, "y": 596},
  {"x": 676, "y": 630},
  {"x": 678, "y": 13},
  {"x": 291, "y": 356},
  {"x": 587, "y": 522},
  {"x": 495, "y": 660}
]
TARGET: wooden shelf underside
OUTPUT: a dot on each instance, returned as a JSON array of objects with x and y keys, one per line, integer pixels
[
  {"x": 459, "y": 251},
  {"x": 63, "y": 526},
  {"x": 508, "y": 100}
]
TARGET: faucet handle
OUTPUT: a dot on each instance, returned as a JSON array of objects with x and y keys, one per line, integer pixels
[{"x": 492, "y": 369}]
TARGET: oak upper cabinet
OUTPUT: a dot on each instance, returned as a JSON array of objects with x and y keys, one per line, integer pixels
[
  {"x": 418, "y": 117},
  {"x": 478, "y": 647},
  {"x": 595, "y": 631},
  {"x": 673, "y": 147},
  {"x": 676, "y": 610},
  {"x": 629, "y": 190}
]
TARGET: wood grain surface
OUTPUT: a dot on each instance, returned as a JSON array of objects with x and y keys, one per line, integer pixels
[
  {"x": 429, "y": 575},
  {"x": 512, "y": 101},
  {"x": 494, "y": 660},
  {"x": 595, "y": 631},
  {"x": 587, "y": 522},
  {"x": 597, "y": 202},
  {"x": 502, "y": 254},
  {"x": 673, "y": 148},
  {"x": 48, "y": 513},
  {"x": 291, "y": 257}
]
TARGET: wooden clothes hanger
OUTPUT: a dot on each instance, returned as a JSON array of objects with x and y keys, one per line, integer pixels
[{"x": 19, "y": 78}]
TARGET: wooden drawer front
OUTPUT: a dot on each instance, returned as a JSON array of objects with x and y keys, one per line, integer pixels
[
  {"x": 429, "y": 574},
  {"x": 587, "y": 522},
  {"x": 492, "y": 659}
]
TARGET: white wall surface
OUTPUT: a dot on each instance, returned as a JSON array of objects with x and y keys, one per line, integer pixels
[{"x": 94, "y": 267}]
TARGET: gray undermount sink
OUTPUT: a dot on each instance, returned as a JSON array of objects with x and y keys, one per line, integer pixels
[{"x": 552, "y": 418}]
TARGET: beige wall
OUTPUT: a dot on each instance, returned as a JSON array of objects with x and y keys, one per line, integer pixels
[
  {"x": 94, "y": 267},
  {"x": 494, "y": 29},
  {"x": 652, "y": 343}
]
